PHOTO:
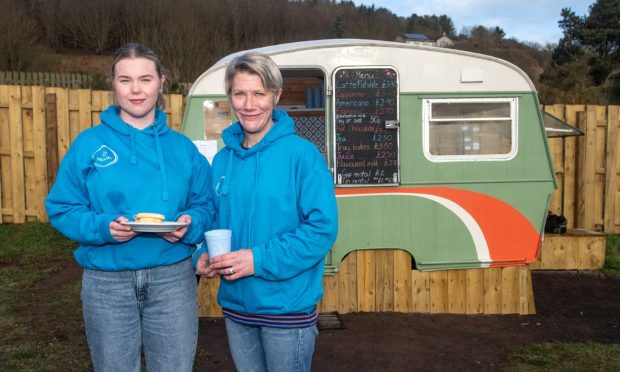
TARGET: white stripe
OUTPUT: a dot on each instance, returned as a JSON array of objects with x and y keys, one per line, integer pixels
[{"x": 482, "y": 249}]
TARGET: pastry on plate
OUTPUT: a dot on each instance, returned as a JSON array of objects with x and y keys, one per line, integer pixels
[{"x": 149, "y": 217}]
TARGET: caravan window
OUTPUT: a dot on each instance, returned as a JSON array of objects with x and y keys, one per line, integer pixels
[{"x": 469, "y": 129}]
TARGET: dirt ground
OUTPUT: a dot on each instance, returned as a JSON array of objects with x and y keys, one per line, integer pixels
[{"x": 572, "y": 306}]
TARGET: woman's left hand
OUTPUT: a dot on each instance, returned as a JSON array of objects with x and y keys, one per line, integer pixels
[
  {"x": 176, "y": 235},
  {"x": 234, "y": 265}
]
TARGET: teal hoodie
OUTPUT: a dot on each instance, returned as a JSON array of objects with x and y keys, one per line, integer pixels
[
  {"x": 278, "y": 199},
  {"x": 114, "y": 169}
]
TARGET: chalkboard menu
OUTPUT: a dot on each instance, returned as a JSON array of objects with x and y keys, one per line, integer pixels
[{"x": 366, "y": 114}]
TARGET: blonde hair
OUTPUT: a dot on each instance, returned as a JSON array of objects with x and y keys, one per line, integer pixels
[{"x": 258, "y": 64}]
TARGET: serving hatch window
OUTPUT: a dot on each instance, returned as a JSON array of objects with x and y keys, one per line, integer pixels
[{"x": 469, "y": 129}]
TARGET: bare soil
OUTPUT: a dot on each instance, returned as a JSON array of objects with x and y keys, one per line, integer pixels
[{"x": 572, "y": 306}]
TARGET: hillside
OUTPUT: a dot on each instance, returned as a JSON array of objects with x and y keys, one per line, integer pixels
[{"x": 529, "y": 59}]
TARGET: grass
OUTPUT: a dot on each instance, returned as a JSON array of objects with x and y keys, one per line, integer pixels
[
  {"x": 586, "y": 357},
  {"x": 575, "y": 357},
  {"x": 612, "y": 256},
  {"x": 40, "y": 325},
  {"x": 32, "y": 242}
]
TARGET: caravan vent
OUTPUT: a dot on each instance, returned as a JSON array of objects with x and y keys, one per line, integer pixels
[{"x": 472, "y": 75}]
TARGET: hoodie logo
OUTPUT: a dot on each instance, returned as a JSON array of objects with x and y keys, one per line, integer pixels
[{"x": 104, "y": 157}]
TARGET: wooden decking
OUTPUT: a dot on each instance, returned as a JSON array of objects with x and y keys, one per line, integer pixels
[{"x": 576, "y": 250}]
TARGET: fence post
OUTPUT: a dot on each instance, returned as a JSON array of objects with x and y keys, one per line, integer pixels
[
  {"x": 51, "y": 138},
  {"x": 586, "y": 168},
  {"x": 40, "y": 155},
  {"x": 611, "y": 170},
  {"x": 570, "y": 167},
  {"x": 16, "y": 136}
]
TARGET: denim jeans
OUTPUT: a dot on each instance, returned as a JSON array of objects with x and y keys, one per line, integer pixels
[
  {"x": 261, "y": 349},
  {"x": 154, "y": 309}
]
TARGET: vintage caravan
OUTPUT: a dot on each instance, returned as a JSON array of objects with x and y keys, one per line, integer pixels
[{"x": 438, "y": 152}]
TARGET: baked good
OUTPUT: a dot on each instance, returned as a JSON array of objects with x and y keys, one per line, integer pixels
[{"x": 149, "y": 217}]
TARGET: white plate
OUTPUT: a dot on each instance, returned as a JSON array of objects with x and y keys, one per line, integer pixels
[{"x": 154, "y": 227}]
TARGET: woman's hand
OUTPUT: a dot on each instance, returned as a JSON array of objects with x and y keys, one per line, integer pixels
[
  {"x": 176, "y": 235},
  {"x": 203, "y": 268},
  {"x": 120, "y": 232},
  {"x": 234, "y": 265}
]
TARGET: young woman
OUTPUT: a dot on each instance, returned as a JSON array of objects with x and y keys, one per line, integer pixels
[
  {"x": 274, "y": 191},
  {"x": 138, "y": 288}
]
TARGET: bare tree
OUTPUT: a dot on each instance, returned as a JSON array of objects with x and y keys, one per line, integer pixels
[{"x": 19, "y": 36}]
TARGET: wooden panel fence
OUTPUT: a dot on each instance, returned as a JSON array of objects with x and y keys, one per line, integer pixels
[
  {"x": 37, "y": 126},
  {"x": 586, "y": 167},
  {"x": 48, "y": 79}
]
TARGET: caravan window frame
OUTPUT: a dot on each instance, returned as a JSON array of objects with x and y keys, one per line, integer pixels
[
  {"x": 427, "y": 112},
  {"x": 313, "y": 71}
]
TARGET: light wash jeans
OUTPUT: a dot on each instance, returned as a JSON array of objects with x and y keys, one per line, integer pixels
[
  {"x": 156, "y": 309},
  {"x": 261, "y": 349}
]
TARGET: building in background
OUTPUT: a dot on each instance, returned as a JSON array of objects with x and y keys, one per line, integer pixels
[{"x": 421, "y": 39}]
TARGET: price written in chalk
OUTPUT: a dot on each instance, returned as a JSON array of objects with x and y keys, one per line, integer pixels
[{"x": 364, "y": 100}]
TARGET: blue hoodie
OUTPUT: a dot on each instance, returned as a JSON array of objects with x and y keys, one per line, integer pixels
[
  {"x": 114, "y": 169},
  {"x": 278, "y": 199}
]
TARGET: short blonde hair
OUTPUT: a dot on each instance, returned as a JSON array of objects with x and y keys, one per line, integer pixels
[{"x": 258, "y": 64}]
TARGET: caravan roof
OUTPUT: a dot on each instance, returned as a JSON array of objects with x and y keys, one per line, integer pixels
[{"x": 421, "y": 68}]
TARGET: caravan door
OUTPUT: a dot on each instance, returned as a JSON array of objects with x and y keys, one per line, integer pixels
[{"x": 366, "y": 126}]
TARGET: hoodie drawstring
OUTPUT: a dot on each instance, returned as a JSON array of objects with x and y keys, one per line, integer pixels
[
  {"x": 162, "y": 169},
  {"x": 222, "y": 188},
  {"x": 132, "y": 159},
  {"x": 253, "y": 198},
  {"x": 225, "y": 187}
]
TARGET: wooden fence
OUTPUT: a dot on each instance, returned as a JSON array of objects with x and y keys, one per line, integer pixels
[
  {"x": 37, "y": 125},
  {"x": 48, "y": 79},
  {"x": 586, "y": 167}
]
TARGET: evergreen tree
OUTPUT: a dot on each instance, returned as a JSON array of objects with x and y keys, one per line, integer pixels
[{"x": 595, "y": 39}]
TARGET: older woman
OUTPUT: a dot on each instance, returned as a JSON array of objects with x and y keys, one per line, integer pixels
[{"x": 274, "y": 191}]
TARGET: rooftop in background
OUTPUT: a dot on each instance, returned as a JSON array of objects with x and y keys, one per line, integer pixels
[{"x": 421, "y": 39}]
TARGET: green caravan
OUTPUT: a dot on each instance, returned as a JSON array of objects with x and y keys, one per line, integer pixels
[{"x": 438, "y": 152}]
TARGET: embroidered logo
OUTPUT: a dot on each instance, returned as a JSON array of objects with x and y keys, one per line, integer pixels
[{"x": 104, "y": 157}]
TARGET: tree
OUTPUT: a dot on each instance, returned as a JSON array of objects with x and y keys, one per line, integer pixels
[
  {"x": 432, "y": 26},
  {"x": 19, "y": 35},
  {"x": 591, "y": 44},
  {"x": 337, "y": 29}
]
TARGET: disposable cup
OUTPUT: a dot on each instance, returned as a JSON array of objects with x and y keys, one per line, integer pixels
[{"x": 218, "y": 242}]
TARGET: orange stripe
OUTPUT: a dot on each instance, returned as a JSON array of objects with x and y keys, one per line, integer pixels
[{"x": 509, "y": 235}]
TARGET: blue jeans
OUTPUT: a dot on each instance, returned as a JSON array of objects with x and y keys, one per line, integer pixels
[
  {"x": 155, "y": 309},
  {"x": 261, "y": 349}
]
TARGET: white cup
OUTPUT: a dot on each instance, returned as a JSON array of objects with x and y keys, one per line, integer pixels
[{"x": 218, "y": 242}]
